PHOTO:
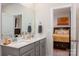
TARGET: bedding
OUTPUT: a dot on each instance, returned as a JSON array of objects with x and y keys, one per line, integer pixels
[{"x": 61, "y": 37}]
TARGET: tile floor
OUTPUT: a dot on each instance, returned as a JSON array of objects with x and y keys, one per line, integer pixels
[{"x": 58, "y": 52}]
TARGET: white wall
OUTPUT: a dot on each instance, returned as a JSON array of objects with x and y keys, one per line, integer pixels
[{"x": 43, "y": 15}]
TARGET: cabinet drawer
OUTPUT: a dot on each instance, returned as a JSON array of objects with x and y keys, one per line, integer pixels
[
  {"x": 6, "y": 51},
  {"x": 26, "y": 48}
]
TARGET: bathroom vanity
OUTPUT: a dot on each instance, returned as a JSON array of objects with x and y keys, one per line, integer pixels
[
  {"x": 19, "y": 21},
  {"x": 33, "y": 47}
]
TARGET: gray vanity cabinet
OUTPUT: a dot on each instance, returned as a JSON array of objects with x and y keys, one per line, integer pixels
[
  {"x": 42, "y": 47},
  {"x": 34, "y": 49},
  {"x": 23, "y": 51}
]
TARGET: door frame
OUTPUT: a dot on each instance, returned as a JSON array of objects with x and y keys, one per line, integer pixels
[{"x": 72, "y": 25}]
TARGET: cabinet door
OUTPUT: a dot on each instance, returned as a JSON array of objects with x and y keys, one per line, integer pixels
[
  {"x": 29, "y": 53},
  {"x": 42, "y": 48},
  {"x": 37, "y": 50},
  {"x": 26, "y": 48}
]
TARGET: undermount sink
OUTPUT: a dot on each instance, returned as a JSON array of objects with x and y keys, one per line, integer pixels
[{"x": 19, "y": 43}]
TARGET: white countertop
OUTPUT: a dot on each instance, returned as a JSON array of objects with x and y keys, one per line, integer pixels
[{"x": 23, "y": 42}]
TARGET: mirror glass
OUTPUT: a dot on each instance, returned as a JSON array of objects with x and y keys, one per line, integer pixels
[{"x": 17, "y": 19}]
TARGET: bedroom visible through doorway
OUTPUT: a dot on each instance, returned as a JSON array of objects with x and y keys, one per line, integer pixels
[{"x": 61, "y": 31}]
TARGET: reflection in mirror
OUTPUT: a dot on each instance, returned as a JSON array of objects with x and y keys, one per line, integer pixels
[
  {"x": 16, "y": 18},
  {"x": 18, "y": 23}
]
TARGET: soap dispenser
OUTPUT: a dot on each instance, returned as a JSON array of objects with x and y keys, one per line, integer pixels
[
  {"x": 29, "y": 28},
  {"x": 29, "y": 31},
  {"x": 40, "y": 28}
]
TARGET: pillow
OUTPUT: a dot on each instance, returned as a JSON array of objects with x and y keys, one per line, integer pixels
[{"x": 62, "y": 31}]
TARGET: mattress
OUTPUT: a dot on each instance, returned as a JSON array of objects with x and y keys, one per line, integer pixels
[{"x": 61, "y": 37}]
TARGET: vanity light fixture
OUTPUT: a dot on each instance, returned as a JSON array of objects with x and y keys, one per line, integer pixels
[{"x": 28, "y": 5}]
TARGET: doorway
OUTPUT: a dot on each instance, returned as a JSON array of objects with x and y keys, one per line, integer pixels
[{"x": 62, "y": 31}]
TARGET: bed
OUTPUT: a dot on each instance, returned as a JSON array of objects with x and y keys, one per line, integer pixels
[{"x": 61, "y": 38}]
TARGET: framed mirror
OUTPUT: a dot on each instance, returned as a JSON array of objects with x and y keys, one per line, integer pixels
[{"x": 16, "y": 18}]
